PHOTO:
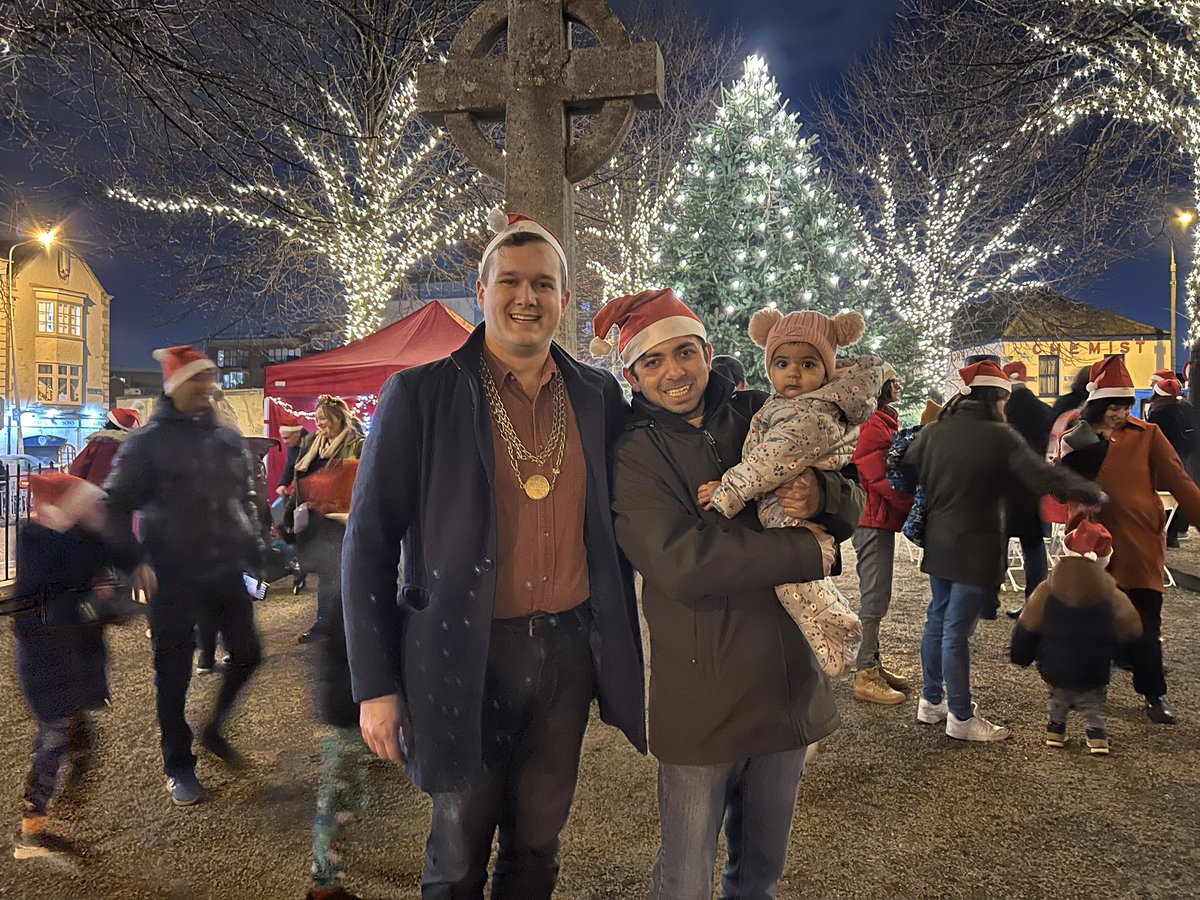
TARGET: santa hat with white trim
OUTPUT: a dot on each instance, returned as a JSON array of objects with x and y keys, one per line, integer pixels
[
  {"x": 181, "y": 363},
  {"x": 1160, "y": 375},
  {"x": 1089, "y": 539},
  {"x": 1110, "y": 379},
  {"x": 983, "y": 374},
  {"x": 1168, "y": 387},
  {"x": 59, "y": 499},
  {"x": 507, "y": 224},
  {"x": 644, "y": 321},
  {"x": 1016, "y": 371},
  {"x": 124, "y": 418}
]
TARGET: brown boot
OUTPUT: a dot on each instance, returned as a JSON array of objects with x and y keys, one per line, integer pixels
[
  {"x": 894, "y": 681},
  {"x": 870, "y": 687}
]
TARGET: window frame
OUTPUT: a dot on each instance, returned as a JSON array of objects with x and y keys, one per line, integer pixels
[{"x": 1045, "y": 378}]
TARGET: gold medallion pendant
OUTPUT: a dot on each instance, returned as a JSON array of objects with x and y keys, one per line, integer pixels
[{"x": 537, "y": 487}]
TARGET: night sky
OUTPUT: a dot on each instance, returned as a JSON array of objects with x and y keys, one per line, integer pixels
[{"x": 807, "y": 44}]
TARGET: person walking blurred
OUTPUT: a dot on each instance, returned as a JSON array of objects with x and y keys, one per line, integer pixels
[
  {"x": 319, "y": 537},
  {"x": 965, "y": 462},
  {"x": 875, "y": 545},
  {"x": 194, "y": 482}
]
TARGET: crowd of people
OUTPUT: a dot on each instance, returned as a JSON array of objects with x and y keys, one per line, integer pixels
[{"x": 475, "y": 558}]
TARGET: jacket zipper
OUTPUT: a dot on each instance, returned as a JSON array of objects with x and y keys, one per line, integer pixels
[{"x": 712, "y": 445}]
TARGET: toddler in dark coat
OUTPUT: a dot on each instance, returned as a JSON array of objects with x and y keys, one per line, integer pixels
[
  {"x": 1073, "y": 625},
  {"x": 62, "y": 663}
]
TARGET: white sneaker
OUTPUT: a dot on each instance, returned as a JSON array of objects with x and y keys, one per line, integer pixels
[
  {"x": 931, "y": 713},
  {"x": 976, "y": 728}
]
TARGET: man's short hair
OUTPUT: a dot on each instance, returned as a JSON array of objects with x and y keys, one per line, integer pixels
[
  {"x": 520, "y": 239},
  {"x": 729, "y": 366}
]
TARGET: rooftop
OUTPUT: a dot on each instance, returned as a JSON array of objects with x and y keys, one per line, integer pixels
[{"x": 1040, "y": 314}]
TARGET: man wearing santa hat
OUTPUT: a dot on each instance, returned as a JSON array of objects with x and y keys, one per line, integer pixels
[
  {"x": 95, "y": 460},
  {"x": 736, "y": 692},
  {"x": 489, "y": 468},
  {"x": 194, "y": 482}
]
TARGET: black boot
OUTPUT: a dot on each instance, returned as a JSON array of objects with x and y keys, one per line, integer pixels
[{"x": 1159, "y": 711}]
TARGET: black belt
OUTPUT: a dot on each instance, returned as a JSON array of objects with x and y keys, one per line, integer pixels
[{"x": 541, "y": 623}]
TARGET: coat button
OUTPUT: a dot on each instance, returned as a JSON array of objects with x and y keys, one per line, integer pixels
[{"x": 487, "y": 564}]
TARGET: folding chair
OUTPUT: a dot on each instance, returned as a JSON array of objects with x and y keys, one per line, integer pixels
[
  {"x": 1170, "y": 505},
  {"x": 1016, "y": 563}
]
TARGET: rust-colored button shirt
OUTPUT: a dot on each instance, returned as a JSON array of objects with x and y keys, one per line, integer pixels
[{"x": 541, "y": 563}]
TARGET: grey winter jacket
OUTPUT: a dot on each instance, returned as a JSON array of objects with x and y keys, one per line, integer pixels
[{"x": 731, "y": 674}]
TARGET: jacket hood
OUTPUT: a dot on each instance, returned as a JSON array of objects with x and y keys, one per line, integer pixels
[
  {"x": 107, "y": 434},
  {"x": 1079, "y": 581},
  {"x": 717, "y": 394}
]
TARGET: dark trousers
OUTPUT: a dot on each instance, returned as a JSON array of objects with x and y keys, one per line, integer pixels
[
  {"x": 1146, "y": 654},
  {"x": 320, "y": 549},
  {"x": 1037, "y": 566},
  {"x": 537, "y": 693},
  {"x": 218, "y": 603},
  {"x": 1179, "y": 524},
  {"x": 55, "y": 742}
]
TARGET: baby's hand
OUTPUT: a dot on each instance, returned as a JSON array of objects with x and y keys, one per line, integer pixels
[{"x": 704, "y": 493}]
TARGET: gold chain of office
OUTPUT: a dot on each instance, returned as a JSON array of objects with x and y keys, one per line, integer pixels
[{"x": 536, "y": 487}]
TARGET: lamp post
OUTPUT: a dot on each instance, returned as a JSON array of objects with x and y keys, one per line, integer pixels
[{"x": 46, "y": 239}]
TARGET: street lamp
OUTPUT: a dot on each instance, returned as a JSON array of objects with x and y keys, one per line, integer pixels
[
  {"x": 46, "y": 239},
  {"x": 1184, "y": 220}
]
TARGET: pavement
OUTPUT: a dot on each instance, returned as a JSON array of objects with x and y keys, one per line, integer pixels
[{"x": 889, "y": 808}]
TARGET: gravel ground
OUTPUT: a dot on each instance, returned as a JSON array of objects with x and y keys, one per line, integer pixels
[{"x": 890, "y": 808}]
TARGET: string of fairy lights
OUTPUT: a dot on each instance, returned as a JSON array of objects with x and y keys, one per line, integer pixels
[
  {"x": 374, "y": 206},
  {"x": 1145, "y": 70}
]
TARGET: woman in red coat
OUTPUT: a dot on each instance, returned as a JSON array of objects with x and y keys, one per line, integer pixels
[
  {"x": 875, "y": 546},
  {"x": 95, "y": 460},
  {"x": 1130, "y": 461}
]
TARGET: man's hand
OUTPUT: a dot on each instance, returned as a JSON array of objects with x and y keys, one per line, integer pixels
[
  {"x": 145, "y": 583},
  {"x": 704, "y": 493},
  {"x": 280, "y": 491},
  {"x": 801, "y": 497},
  {"x": 382, "y": 721}
]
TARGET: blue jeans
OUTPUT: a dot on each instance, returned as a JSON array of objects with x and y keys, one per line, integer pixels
[
  {"x": 755, "y": 798},
  {"x": 946, "y": 645}
]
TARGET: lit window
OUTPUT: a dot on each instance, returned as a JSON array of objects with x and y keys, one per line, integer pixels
[
  {"x": 45, "y": 383},
  {"x": 45, "y": 317},
  {"x": 234, "y": 379},
  {"x": 70, "y": 319}
]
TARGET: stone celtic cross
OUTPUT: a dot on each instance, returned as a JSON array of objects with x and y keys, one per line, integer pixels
[{"x": 535, "y": 90}]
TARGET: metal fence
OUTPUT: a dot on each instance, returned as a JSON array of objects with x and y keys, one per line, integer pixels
[{"x": 14, "y": 505}]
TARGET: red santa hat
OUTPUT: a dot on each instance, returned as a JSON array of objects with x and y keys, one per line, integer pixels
[
  {"x": 1016, "y": 371},
  {"x": 181, "y": 363},
  {"x": 644, "y": 321},
  {"x": 1110, "y": 379},
  {"x": 507, "y": 224},
  {"x": 1168, "y": 387},
  {"x": 1161, "y": 375},
  {"x": 59, "y": 499},
  {"x": 290, "y": 424},
  {"x": 1089, "y": 539},
  {"x": 123, "y": 418},
  {"x": 983, "y": 374}
]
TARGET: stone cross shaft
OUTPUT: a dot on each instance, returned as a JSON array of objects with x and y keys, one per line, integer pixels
[{"x": 535, "y": 89}]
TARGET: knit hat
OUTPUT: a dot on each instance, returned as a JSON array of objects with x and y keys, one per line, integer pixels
[
  {"x": 769, "y": 328},
  {"x": 1016, "y": 371},
  {"x": 983, "y": 374},
  {"x": 1110, "y": 378},
  {"x": 59, "y": 499},
  {"x": 644, "y": 321},
  {"x": 1089, "y": 539},
  {"x": 931, "y": 412},
  {"x": 1160, "y": 375},
  {"x": 181, "y": 363},
  {"x": 506, "y": 225},
  {"x": 125, "y": 419},
  {"x": 1168, "y": 387}
]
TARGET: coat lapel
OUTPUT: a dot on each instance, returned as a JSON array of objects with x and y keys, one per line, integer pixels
[{"x": 588, "y": 405}]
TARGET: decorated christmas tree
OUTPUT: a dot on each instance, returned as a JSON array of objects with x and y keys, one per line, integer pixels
[{"x": 755, "y": 224}]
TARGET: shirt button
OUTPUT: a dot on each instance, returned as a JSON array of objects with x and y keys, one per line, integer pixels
[
  {"x": 545, "y": 578},
  {"x": 545, "y": 534}
]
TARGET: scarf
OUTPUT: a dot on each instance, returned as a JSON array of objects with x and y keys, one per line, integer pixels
[{"x": 323, "y": 447}]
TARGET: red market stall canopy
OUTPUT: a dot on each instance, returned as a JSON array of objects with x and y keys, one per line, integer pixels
[
  {"x": 355, "y": 372},
  {"x": 360, "y": 368}
]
